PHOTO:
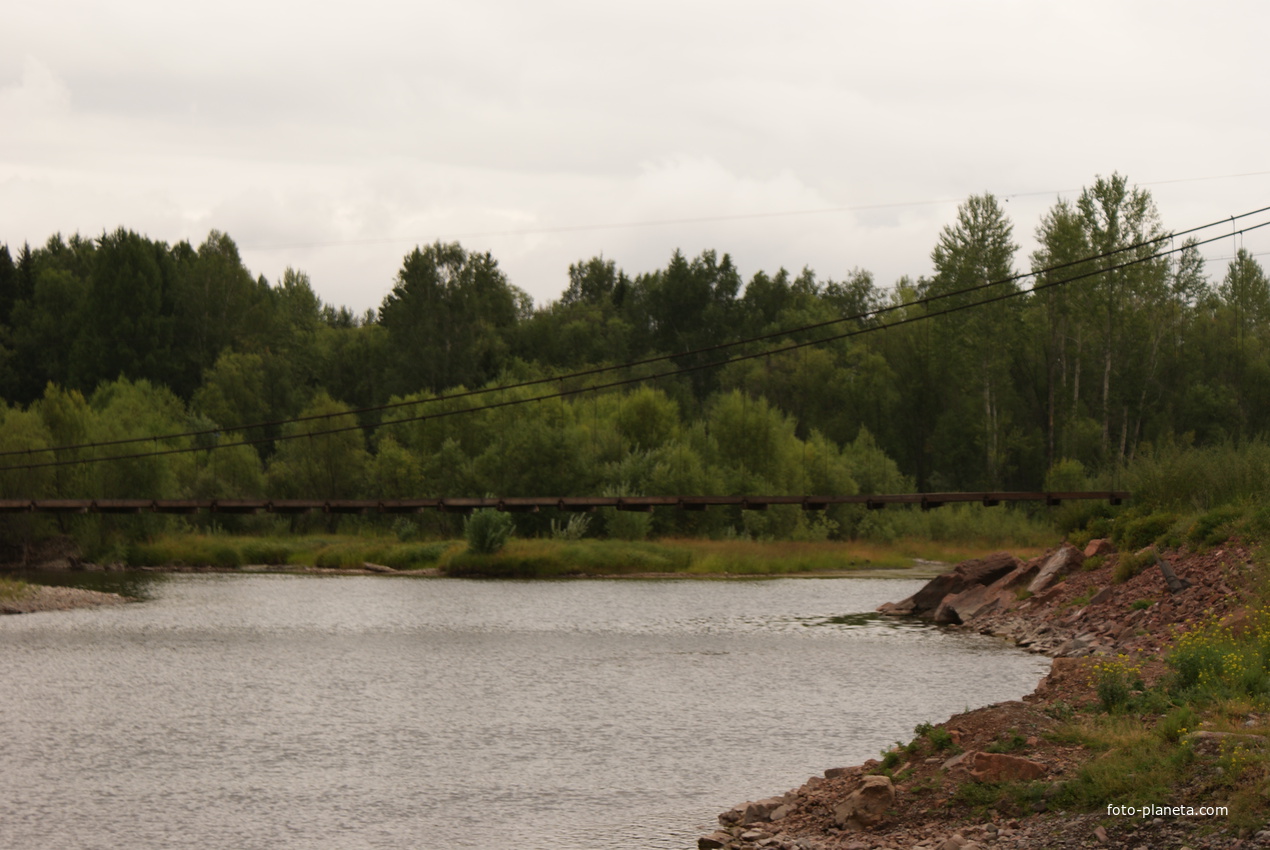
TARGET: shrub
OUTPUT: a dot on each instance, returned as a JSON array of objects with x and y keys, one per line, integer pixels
[
  {"x": 574, "y": 529},
  {"x": 1114, "y": 683},
  {"x": 1129, "y": 565},
  {"x": 487, "y": 531},
  {"x": 1134, "y": 534},
  {"x": 1177, "y": 723},
  {"x": 1213, "y": 527}
]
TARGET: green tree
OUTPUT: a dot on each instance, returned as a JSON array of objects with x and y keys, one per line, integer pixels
[
  {"x": 977, "y": 251},
  {"x": 448, "y": 317},
  {"x": 316, "y": 465}
]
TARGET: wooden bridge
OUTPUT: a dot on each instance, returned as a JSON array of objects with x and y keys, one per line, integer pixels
[{"x": 532, "y": 504}]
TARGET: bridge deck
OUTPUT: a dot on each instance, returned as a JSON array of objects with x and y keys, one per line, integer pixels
[{"x": 873, "y": 501}]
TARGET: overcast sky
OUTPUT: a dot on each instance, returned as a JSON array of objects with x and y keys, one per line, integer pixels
[{"x": 333, "y": 137}]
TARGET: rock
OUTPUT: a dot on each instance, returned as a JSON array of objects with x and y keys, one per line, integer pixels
[
  {"x": 866, "y": 805},
  {"x": 967, "y": 574},
  {"x": 1101, "y": 596},
  {"x": 377, "y": 568},
  {"x": 713, "y": 841},
  {"x": 1094, "y": 548},
  {"x": 1101, "y": 834},
  {"x": 780, "y": 812},
  {"x": 946, "y": 615},
  {"x": 811, "y": 784},
  {"x": 1059, "y": 563},
  {"x": 952, "y": 842},
  {"x": 835, "y": 772},
  {"x": 979, "y": 766}
]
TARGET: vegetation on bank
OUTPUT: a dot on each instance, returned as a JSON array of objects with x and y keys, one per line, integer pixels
[
  {"x": 1192, "y": 726},
  {"x": 11, "y": 590},
  {"x": 217, "y": 383},
  {"x": 545, "y": 557}
]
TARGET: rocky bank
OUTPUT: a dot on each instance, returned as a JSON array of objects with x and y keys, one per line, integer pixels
[{"x": 1064, "y": 604}]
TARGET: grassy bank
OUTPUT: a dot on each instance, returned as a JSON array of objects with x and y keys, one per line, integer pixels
[
  {"x": 546, "y": 558},
  {"x": 11, "y": 590}
]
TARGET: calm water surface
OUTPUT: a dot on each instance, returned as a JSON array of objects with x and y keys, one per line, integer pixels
[{"x": 302, "y": 712}]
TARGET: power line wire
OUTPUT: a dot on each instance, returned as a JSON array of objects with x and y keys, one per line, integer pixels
[
  {"x": 694, "y": 368},
  {"x": 598, "y": 370}
]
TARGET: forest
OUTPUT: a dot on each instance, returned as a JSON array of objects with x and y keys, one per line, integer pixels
[{"x": 1111, "y": 343}]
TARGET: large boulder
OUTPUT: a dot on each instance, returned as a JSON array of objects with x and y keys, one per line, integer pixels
[
  {"x": 967, "y": 574},
  {"x": 866, "y": 805},
  {"x": 978, "y": 766},
  {"x": 980, "y": 599},
  {"x": 1059, "y": 563}
]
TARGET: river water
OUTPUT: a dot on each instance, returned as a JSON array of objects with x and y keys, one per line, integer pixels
[{"x": 348, "y": 712}]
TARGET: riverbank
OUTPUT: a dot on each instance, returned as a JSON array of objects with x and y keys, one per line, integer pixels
[
  {"x": 1116, "y": 723},
  {"x": 19, "y": 597},
  {"x": 520, "y": 558}
]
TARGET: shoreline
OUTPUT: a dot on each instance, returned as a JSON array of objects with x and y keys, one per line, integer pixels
[
  {"x": 40, "y": 598},
  {"x": 948, "y": 789}
]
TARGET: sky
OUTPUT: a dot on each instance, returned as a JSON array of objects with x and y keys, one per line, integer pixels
[{"x": 334, "y": 137}]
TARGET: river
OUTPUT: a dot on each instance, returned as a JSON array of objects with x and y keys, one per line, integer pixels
[{"x": 273, "y": 711}]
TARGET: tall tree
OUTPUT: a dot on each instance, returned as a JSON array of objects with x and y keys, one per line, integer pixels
[
  {"x": 974, "y": 263},
  {"x": 448, "y": 317}
]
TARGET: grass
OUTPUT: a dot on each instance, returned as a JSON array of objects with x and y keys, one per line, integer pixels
[
  {"x": 12, "y": 589},
  {"x": 1143, "y": 737},
  {"x": 334, "y": 551},
  {"x": 549, "y": 558}
]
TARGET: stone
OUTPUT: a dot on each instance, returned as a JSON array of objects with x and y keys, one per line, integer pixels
[
  {"x": 1102, "y": 596},
  {"x": 1094, "y": 548},
  {"x": 952, "y": 842},
  {"x": 979, "y": 571},
  {"x": 713, "y": 841},
  {"x": 866, "y": 805},
  {"x": 835, "y": 772},
  {"x": 780, "y": 812},
  {"x": 1101, "y": 834},
  {"x": 979, "y": 766},
  {"x": 1059, "y": 563}
]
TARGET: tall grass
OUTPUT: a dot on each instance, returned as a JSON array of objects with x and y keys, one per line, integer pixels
[
  {"x": 971, "y": 524},
  {"x": 333, "y": 551},
  {"x": 1200, "y": 479},
  {"x": 12, "y": 589}
]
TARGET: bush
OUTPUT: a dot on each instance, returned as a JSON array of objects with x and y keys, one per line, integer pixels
[
  {"x": 487, "y": 531},
  {"x": 1134, "y": 534},
  {"x": 1213, "y": 527},
  {"x": 1129, "y": 565},
  {"x": 1114, "y": 682}
]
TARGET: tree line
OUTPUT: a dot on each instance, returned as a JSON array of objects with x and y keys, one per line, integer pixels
[{"x": 953, "y": 387}]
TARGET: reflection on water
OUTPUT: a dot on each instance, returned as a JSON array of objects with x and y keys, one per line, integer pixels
[
  {"x": 276, "y": 711},
  {"x": 866, "y": 620}
]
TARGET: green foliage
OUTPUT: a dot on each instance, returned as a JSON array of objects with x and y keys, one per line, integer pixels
[
  {"x": 1114, "y": 682},
  {"x": 1213, "y": 660},
  {"x": 1214, "y": 527},
  {"x": 1135, "y": 533},
  {"x": 939, "y": 737},
  {"x": 575, "y": 528},
  {"x": 12, "y": 589},
  {"x": 1009, "y": 743},
  {"x": 1180, "y": 720},
  {"x": 487, "y": 531},
  {"x": 1129, "y": 565}
]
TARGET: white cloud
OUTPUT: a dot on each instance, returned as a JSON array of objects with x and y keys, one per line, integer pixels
[{"x": 333, "y": 138}]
